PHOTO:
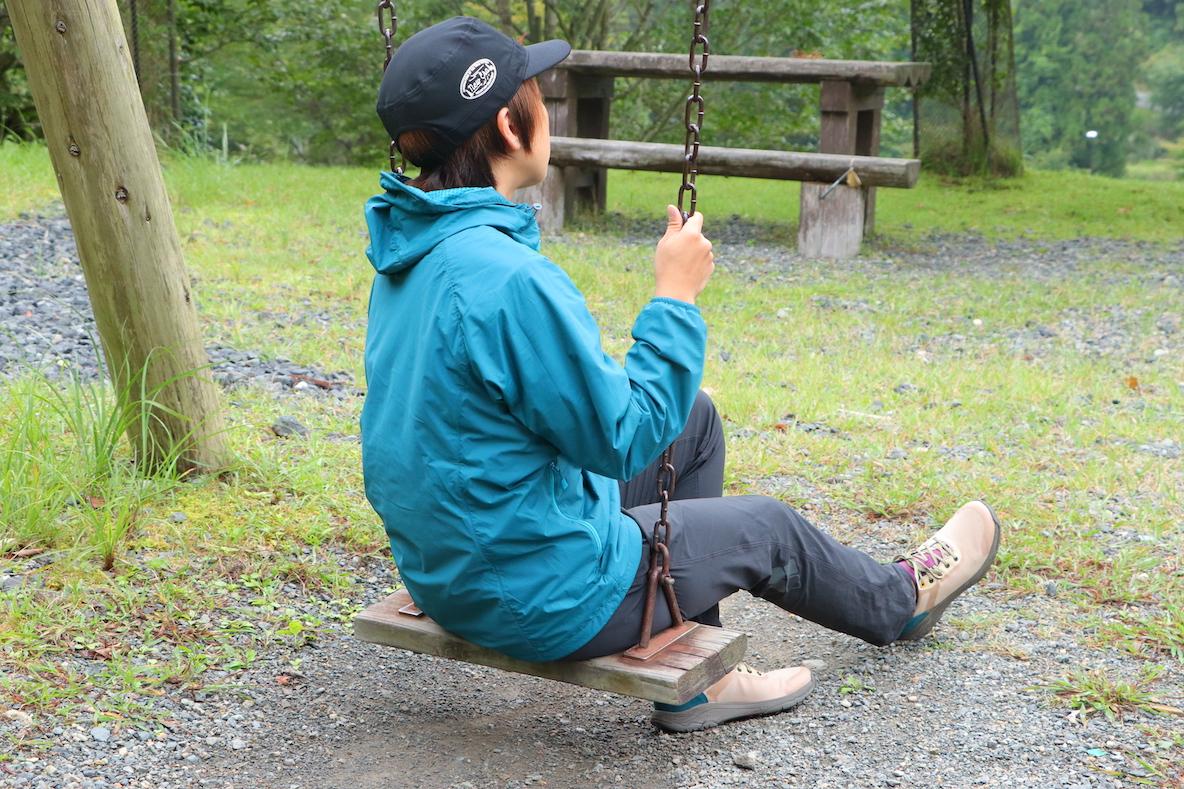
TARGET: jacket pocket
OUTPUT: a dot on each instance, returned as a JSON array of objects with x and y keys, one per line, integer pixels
[{"x": 558, "y": 488}]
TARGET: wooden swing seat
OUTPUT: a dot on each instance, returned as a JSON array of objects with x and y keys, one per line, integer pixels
[{"x": 676, "y": 672}]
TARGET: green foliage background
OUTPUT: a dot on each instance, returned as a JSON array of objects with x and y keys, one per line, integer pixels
[
  {"x": 1076, "y": 56},
  {"x": 263, "y": 79}
]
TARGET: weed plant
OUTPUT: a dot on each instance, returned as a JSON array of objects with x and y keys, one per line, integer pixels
[
  {"x": 1094, "y": 691},
  {"x": 69, "y": 476}
]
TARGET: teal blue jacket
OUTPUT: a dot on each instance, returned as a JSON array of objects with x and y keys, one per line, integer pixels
[{"x": 495, "y": 427}]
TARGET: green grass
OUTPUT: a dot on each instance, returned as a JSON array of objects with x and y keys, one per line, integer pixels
[
  {"x": 1162, "y": 169},
  {"x": 1045, "y": 205},
  {"x": 1050, "y": 438},
  {"x": 26, "y": 179}
]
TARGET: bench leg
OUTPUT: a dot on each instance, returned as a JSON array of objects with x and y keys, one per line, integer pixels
[
  {"x": 578, "y": 106},
  {"x": 551, "y": 198},
  {"x": 831, "y": 227},
  {"x": 867, "y": 143},
  {"x": 835, "y": 226}
]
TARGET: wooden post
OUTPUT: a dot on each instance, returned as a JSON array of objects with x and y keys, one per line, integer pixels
[
  {"x": 594, "y": 96},
  {"x": 869, "y": 108},
  {"x": 84, "y": 87},
  {"x": 834, "y": 226},
  {"x": 553, "y": 195},
  {"x": 578, "y": 106}
]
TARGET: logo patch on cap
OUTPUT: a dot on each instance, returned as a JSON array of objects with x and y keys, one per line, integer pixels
[{"x": 478, "y": 79}]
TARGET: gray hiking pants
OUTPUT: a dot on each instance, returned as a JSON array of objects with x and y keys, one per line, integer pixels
[{"x": 721, "y": 544}]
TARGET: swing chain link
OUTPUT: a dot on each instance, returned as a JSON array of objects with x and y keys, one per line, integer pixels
[
  {"x": 695, "y": 109},
  {"x": 660, "y": 564},
  {"x": 667, "y": 478},
  {"x": 388, "y": 29}
]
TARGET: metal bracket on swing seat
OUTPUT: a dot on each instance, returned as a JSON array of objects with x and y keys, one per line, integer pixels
[{"x": 661, "y": 640}]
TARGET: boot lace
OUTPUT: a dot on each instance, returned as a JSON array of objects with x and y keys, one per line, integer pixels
[{"x": 931, "y": 561}]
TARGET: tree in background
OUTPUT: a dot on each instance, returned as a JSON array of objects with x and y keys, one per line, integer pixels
[
  {"x": 273, "y": 80},
  {"x": 1165, "y": 78},
  {"x": 967, "y": 116},
  {"x": 300, "y": 81},
  {"x": 17, "y": 116},
  {"x": 1077, "y": 63}
]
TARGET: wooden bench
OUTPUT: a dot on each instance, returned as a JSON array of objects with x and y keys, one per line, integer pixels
[
  {"x": 579, "y": 92},
  {"x": 675, "y": 675}
]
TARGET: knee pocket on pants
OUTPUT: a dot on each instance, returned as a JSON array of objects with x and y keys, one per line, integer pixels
[{"x": 785, "y": 579}]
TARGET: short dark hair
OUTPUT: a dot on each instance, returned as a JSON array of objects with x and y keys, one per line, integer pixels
[{"x": 471, "y": 163}]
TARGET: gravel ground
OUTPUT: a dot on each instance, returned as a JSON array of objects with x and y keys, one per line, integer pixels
[
  {"x": 958, "y": 709},
  {"x": 46, "y": 322}
]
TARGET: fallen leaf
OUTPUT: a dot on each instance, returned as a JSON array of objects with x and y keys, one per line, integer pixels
[
  {"x": 1132, "y": 383},
  {"x": 25, "y": 553},
  {"x": 318, "y": 382},
  {"x": 96, "y": 502},
  {"x": 1167, "y": 709}
]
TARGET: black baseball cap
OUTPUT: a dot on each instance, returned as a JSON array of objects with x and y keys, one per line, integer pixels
[{"x": 451, "y": 78}]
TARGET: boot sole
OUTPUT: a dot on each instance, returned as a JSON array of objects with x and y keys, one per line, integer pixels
[
  {"x": 923, "y": 629},
  {"x": 713, "y": 713}
]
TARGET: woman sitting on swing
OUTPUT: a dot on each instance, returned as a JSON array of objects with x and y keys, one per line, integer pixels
[{"x": 513, "y": 463}]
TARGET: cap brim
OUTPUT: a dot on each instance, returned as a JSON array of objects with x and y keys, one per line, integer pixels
[{"x": 545, "y": 55}]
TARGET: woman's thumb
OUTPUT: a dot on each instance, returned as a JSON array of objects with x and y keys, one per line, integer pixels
[{"x": 673, "y": 219}]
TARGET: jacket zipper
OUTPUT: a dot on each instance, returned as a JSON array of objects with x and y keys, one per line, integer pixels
[{"x": 588, "y": 526}]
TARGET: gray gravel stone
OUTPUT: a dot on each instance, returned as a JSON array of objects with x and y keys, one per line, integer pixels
[
  {"x": 288, "y": 426},
  {"x": 46, "y": 322}
]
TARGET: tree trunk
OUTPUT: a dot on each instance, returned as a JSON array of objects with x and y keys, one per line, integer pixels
[
  {"x": 84, "y": 87},
  {"x": 174, "y": 65},
  {"x": 534, "y": 25},
  {"x": 504, "y": 15}
]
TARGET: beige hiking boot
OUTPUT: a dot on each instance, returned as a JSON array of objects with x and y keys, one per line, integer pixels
[
  {"x": 949, "y": 563},
  {"x": 742, "y": 693}
]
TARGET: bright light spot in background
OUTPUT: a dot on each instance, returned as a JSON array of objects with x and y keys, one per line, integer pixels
[{"x": 1091, "y": 135}]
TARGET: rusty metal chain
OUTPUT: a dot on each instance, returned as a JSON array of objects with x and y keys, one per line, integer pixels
[
  {"x": 388, "y": 29},
  {"x": 659, "y": 569},
  {"x": 667, "y": 477},
  {"x": 695, "y": 109},
  {"x": 135, "y": 20}
]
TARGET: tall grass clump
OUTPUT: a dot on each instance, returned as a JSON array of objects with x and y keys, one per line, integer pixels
[
  {"x": 34, "y": 487},
  {"x": 69, "y": 470}
]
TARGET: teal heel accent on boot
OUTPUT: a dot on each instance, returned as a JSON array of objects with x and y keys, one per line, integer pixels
[
  {"x": 695, "y": 702},
  {"x": 912, "y": 624}
]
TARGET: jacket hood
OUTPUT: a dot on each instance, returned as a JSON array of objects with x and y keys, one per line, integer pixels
[{"x": 406, "y": 223}]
